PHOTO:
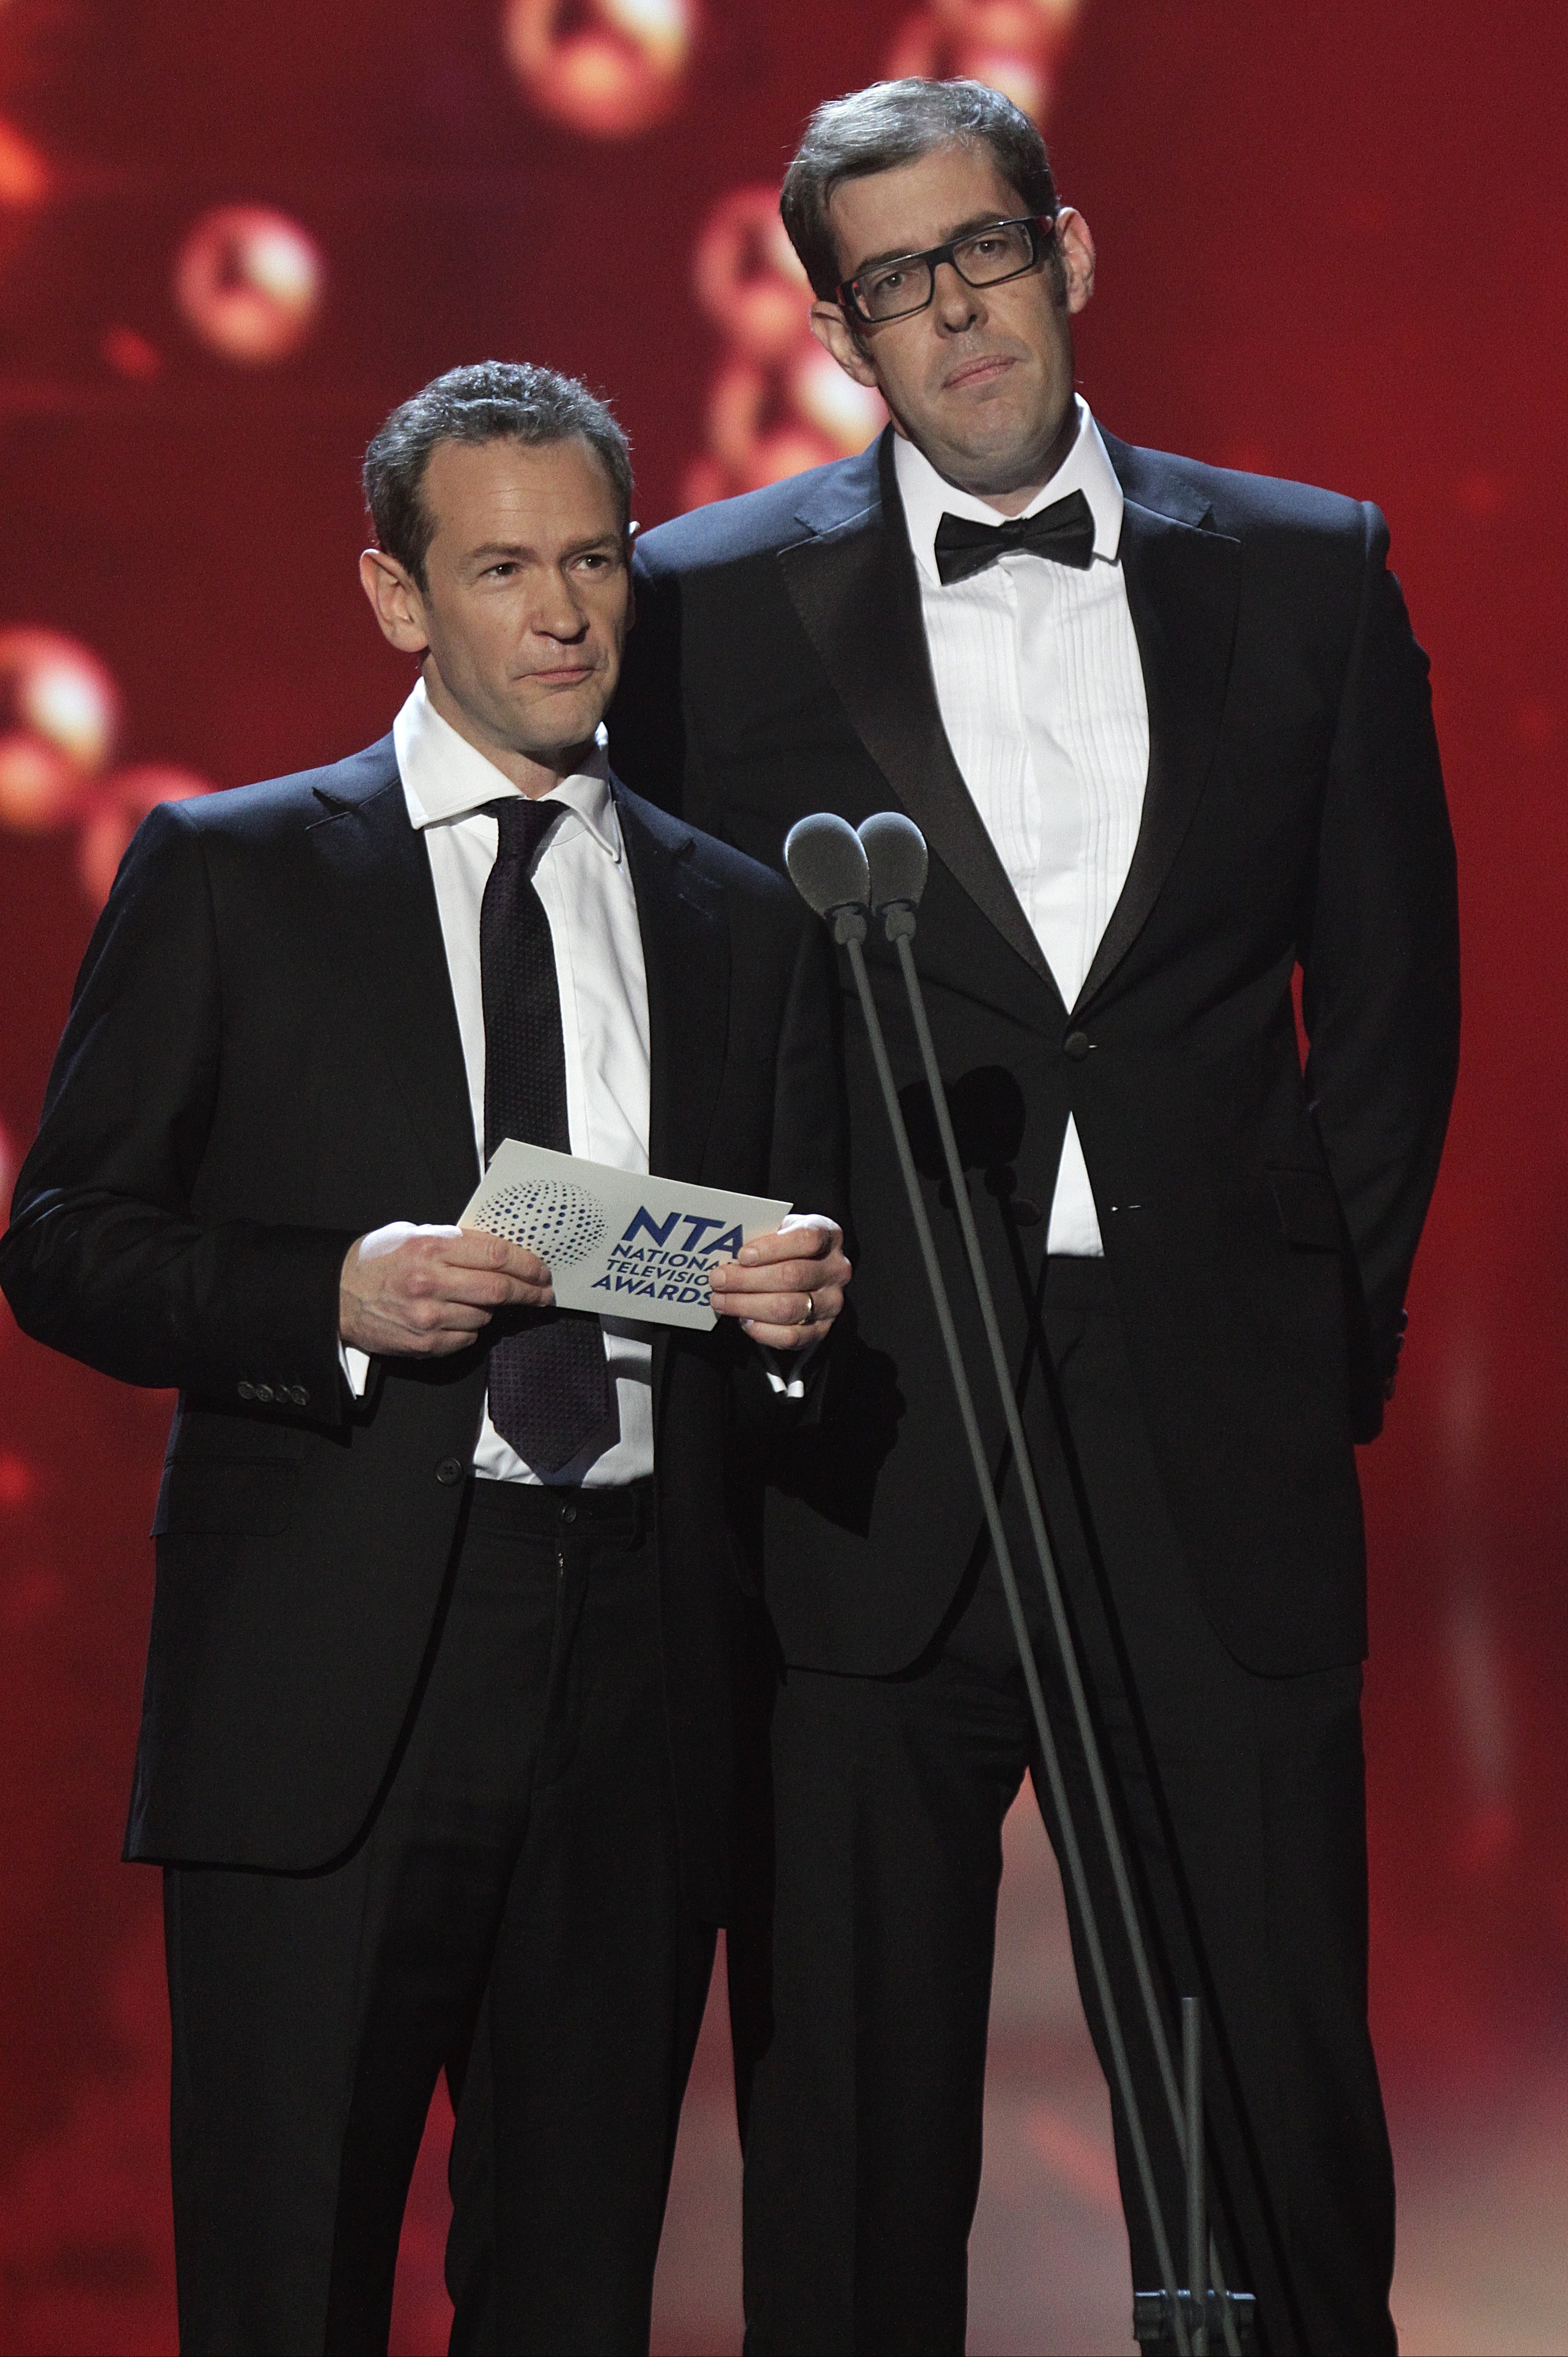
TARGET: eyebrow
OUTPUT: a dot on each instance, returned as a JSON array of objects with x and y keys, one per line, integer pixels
[
  {"x": 906, "y": 252},
  {"x": 488, "y": 551}
]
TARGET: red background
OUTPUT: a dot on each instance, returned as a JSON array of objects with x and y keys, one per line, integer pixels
[{"x": 1333, "y": 246}]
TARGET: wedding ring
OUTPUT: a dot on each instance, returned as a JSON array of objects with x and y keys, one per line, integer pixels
[{"x": 810, "y": 1317}]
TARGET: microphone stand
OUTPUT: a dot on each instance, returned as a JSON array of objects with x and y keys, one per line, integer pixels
[
  {"x": 897, "y": 919},
  {"x": 848, "y": 925}
]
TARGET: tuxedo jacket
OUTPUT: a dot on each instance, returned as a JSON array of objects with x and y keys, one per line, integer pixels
[
  {"x": 262, "y": 1062},
  {"x": 1258, "y": 1222}
]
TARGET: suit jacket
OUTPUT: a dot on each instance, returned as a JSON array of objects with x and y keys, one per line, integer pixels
[
  {"x": 1259, "y": 1225},
  {"x": 263, "y": 1062}
]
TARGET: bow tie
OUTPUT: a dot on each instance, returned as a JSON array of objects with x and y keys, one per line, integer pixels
[{"x": 1064, "y": 532}]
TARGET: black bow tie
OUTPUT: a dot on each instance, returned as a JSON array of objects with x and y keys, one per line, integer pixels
[{"x": 1064, "y": 532}]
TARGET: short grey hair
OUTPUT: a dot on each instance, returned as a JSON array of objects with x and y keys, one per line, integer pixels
[
  {"x": 896, "y": 123},
  {"x": 490, "y": 401}
]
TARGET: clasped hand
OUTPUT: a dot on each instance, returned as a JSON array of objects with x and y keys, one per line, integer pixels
[{"x": 423, "y": 1292}]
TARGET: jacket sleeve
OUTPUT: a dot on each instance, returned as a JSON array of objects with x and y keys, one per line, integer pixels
[
  {"x": 105, "y": 1257},
  {"x": 1381, "y": 964}
]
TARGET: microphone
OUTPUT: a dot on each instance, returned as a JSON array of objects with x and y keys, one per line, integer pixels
[
  {"x": 896, "y": 853},
  {"x": 828, "y": 868}
]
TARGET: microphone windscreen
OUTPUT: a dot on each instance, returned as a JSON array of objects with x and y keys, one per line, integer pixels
[
  {"x": 896, "y": 853},
  {"x": 827, "y": 865}
]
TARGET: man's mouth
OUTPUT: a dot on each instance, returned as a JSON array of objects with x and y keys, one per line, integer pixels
[
  {"x": 563, "y": 676},
  {"x": 978, "y": 370}
]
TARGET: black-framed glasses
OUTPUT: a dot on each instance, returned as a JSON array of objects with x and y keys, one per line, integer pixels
[{"x": 982, "y": 257}]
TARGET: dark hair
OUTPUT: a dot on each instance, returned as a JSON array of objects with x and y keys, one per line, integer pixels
[
  {"x": 895, "y": 122},
  {"x": 491, "y": 401}
]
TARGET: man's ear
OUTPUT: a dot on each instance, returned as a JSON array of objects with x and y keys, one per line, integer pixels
[
  {"x": 1076, "y": 247},
  {"x": 834, "y": 332},
  {"x": 396, "y": 596}
]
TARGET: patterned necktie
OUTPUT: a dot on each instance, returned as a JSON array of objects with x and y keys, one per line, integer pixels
[
  {"x": 550, "y": 1390},
  {"x": 1063, "y": 532}
]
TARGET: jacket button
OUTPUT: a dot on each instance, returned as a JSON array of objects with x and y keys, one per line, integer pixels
[
  {"x": 300, "y": 1395},
  {"x": 263, "y": 1392},
  {"x": 449, "y": 1471},
  {"x": 1077, "y": 1045},
  {"x": 247, "y": 1391}
]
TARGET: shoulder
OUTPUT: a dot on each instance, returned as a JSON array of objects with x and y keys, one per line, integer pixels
[
  {"x": 756, "y": 523},
  {"x": 1243, "y": 506},
  {"x": 275, "y": 806}
]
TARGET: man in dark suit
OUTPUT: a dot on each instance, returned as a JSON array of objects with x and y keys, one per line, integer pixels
[
  {"x": 1168, "y": 735},
  {"x": 442, "y": 1699}
]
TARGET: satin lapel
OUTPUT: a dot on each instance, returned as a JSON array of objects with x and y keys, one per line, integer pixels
[
  {"x": 1183, "y": 587},
  {"x": 393, "y": 959},
  {"x": 686, "y": 948},
  {"x": 854, "y": 586}
]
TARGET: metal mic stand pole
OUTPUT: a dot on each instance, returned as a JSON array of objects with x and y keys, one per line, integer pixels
[
  {"x": 848, "y": 925},
  {"x": 898, "y": 924}
]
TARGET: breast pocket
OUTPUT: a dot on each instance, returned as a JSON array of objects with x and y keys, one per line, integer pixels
[{"x": 250, "y": 1497}]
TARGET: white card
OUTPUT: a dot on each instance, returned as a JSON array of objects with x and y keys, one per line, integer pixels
[{"x": 617, "y": 1241}]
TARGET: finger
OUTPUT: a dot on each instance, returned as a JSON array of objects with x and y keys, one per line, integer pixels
[
  {"x": 788, "y": 1313},
  {"x": 779, "y": 1276},
  {"x": 472, "y": 1248},
  {"x": 811, "y": 1241},
  {"x": 483, "y": 1288},
  {"x": 785, "y": 1338}
]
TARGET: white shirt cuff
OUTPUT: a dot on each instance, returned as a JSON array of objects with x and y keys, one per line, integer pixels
[
  {"x": 356, "y": 1366},
  {"x": 786, "y": 1371}
]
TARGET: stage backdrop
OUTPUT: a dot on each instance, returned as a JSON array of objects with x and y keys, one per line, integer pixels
[{"x": 1333, "y": 247}]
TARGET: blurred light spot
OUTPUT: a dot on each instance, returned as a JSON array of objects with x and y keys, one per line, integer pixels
[
  {"x": 1480, "y": 495},
  {"x": 619, "y": 68},
  {"x": 779, "y": 403},
  {"x": 250, "y": 282},
  {"x": 1476, "y": 1672},
  {"x": 1536, "y": 721},
  {"x": 24, "y": 174},
  {"x": 1014, "y": 46},
  {"x": 130, "y": 354},
  {"x": 1079, "y": 2161},
  {"x": 747, "y": 276},
  {"x": 58, "y": 716},
  {"x": 847, "y": 413},
  {"x": 17, "y": 1479}
]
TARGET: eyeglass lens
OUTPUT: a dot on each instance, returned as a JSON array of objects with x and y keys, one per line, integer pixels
[{"x": 991, "y": 255}]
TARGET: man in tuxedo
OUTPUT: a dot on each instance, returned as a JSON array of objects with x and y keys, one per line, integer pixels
[
  {"x": 450, "y": 1637},
  {"x": 1168, "y": 736}
]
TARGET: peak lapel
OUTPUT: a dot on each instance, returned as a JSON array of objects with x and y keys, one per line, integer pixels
[
  {"x": 394, "y": 959},
  {"x": 1183, "y": 585},
  {"x": 685, "y": 949},
  {"x": 854, "y": 586}
]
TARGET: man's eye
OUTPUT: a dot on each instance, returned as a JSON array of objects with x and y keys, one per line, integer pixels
[
  {"x": 501, "y": 572},
  {"x": 888, "y": 282}
]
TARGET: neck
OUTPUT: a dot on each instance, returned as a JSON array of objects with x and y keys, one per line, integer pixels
[
  {"x": 533, "y": 774},
  {"x": 1001, "y": 490}
]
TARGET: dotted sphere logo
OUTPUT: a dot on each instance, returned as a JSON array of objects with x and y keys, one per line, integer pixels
[{"x": 561, "y": 1222}]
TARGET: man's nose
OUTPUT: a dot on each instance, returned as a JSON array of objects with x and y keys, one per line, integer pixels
[
  {"x": 558, "y": 614},
  {"x": 956, "y": 303}
]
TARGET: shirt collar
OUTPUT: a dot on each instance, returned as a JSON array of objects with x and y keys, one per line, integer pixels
[
  {"x": 445, "y": 778},
  {"x": 927, "y": 496}
]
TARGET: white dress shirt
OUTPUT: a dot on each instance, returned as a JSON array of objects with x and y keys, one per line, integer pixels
[
  {"x": 1041, "y": 691},
  {"x": 584, "y": 885}
]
